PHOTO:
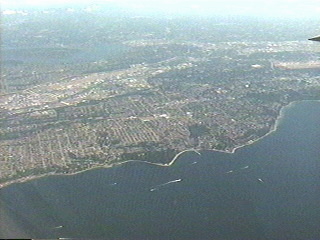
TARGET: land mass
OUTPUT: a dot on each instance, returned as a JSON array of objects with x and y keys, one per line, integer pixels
[{"x": 158, "y": 95}]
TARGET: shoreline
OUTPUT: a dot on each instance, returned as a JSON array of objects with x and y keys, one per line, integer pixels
[
  {"x": 273, "y": 128},
  {"x": 30, "y": 178}
]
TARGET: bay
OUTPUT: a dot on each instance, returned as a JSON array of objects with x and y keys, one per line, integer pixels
[{"x": 266, "y": 190}]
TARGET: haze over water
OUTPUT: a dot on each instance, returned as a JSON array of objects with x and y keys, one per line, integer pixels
[{"x": 267, "y": 190}]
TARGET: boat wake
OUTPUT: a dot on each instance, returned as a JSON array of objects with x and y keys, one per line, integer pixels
[{"x": 164, "y": 184}]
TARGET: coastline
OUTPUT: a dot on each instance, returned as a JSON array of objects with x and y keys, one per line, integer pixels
[
  {"x": 30, "y": 178},
  {"x": 273, "y": 128}
]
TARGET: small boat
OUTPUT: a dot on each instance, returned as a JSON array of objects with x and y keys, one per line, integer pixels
[{"x": 245, "y": 167}]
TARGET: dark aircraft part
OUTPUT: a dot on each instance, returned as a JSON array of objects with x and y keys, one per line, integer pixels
[{"x": 315, "y": 39}]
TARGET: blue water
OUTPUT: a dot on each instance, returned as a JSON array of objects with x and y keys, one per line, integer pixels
[{"x": 276, "y": 197}]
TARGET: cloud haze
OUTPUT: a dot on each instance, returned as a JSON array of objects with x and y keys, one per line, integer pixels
[{"x": 291, "y": 8}]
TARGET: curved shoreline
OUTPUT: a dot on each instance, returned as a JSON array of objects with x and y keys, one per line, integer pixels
[
  {"x": 276, "y": 124},
  {"x": 162, "y": 164},
  {"x": 30, "y": 178},
  {"x": 273, "y": 128}
]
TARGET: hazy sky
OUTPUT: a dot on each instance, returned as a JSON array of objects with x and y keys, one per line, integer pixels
[{"x": 292, "y": 8}]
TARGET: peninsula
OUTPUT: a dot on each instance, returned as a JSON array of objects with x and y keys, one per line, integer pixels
[{"x": 154, "y": 96}]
